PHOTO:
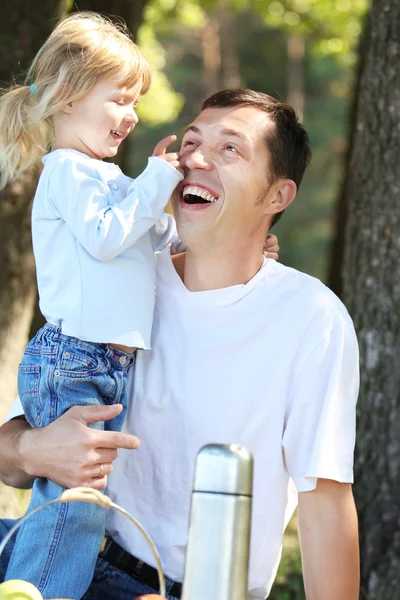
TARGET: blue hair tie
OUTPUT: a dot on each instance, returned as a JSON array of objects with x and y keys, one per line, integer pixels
[{"x": 33, "y": 88}]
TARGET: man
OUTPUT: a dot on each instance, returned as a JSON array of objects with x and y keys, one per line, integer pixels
[{"x": 244, "y": 350}]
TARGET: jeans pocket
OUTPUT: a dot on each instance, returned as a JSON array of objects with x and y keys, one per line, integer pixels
[
  {"x": 78, "y": 364},
  {"x": 28, "y": 389}
]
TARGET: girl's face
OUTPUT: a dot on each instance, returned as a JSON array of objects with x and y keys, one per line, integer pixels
[{"x": 99, "y": 122}]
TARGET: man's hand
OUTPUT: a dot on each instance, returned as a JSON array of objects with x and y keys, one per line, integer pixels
[
  {"x": 70, "y": 453},
  {"x": 271, "y": 247},
  {"x": 328, "y": 535},
  {"x": 160, "y": 151}
]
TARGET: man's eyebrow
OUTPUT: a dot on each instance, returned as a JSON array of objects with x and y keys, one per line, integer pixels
[
  {"x": 230, "y": 132},
  {"x": 191, "y": 128},
  {"x": 233, "y": 132}
]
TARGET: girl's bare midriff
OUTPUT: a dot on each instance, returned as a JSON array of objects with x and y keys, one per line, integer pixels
[{"x": 127, "y": 349}]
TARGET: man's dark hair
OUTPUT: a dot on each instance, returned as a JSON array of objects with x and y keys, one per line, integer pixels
[{"x": 287, "y": 143}]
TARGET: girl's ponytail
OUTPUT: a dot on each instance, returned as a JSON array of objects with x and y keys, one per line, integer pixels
[
  {"x": 83, "y": 49},
  {"x": 23, "y": 140}
]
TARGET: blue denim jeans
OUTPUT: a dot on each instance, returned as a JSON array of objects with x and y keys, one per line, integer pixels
[
  {"x": 109, "y": 583},
  {"x": 57, "y": 548}
]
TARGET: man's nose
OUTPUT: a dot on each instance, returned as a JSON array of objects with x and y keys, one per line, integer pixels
[{"x": 197, "y": 159}]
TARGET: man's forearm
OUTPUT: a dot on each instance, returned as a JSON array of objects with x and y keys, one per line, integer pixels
[
  {"x": 329, "y": 543},
  {"x": 12, "y": 467}
]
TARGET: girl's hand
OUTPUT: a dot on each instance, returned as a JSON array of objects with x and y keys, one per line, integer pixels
[
  {"x": 271, "y": 247},
  {"x": 172, "y": 157}
]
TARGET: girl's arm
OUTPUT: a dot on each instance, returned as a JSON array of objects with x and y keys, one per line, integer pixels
[
  {"x": 164, "y": 233},
  {"x": 80, "y": 199}
]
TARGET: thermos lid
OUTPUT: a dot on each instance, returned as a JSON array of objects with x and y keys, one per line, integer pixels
[{"x": 224, "y": 469}]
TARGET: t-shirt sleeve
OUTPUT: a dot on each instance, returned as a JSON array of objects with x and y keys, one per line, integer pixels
[{"x": 319, "y": 433}]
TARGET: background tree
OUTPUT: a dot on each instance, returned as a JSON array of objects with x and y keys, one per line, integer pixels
[
  {"x": 22, "y": 31},
  {"x": 131, "y": 12},
  {"x": 372, "y": 294}
]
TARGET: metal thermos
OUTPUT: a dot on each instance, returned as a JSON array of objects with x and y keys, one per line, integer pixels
[{"x": 217, "y": 556}]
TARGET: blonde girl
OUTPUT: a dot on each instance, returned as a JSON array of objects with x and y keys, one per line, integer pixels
[{"x": 94, "y": 234}]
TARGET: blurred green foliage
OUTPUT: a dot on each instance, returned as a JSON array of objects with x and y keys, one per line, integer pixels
[{"x": 172, "y": 39}]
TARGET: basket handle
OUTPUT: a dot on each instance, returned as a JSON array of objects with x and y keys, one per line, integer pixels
[{"x": 85, "y": 494}]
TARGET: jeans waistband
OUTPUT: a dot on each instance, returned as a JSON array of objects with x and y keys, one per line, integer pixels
[{"x": 55, "y": 334}]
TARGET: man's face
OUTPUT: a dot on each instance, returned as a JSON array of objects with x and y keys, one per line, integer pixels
[{"x": 226, "y": 162}]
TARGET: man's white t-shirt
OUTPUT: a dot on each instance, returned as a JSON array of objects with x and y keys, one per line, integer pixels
[{"x": 272, "y": 365}]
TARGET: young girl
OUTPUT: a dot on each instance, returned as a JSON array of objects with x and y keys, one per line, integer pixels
[{"x": 94, "y": 241}]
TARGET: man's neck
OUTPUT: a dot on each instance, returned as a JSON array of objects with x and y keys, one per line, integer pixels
[{"x": 202, "y": 271}]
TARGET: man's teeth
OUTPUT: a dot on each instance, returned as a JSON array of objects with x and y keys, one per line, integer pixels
[{"x": 194, "y": 190}]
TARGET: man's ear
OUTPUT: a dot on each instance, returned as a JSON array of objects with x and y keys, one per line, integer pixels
[{"x": 285, "y": 191}]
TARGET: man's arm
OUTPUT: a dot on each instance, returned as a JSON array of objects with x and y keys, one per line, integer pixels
[
  {"x": 66, "y": 451},
  {"x": 11, "y": 465},
  {"x": 328, "y": 532}
]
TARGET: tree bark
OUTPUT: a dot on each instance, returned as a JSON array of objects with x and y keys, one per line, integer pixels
[
  {"x": 211, "y": 48},
  {"x": 336, "y": 255},
  {"x": 295, "y": 72},
  {"x": 229, "y": 53},
  {"x": 132, "y": 12},
  {"x": 372, "y": 293},
  {"x": 22, "y": 31}
]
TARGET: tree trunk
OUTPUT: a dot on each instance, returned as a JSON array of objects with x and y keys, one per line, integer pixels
[
  {"x": 22, "y": 31},
  {"x": 211, "y": 48},
  {"x": 229, "y": 54},
  {"x": 372, "y": 293},
  {"x": 336, "y": 255},
  {"x": 132, "y": 12},
  {"x": 295, "y": 73}
]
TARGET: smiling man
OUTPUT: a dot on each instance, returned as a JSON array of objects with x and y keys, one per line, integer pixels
[{"x": 244, "y": 350}]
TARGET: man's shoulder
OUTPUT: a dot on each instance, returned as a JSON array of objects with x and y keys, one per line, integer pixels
[{"x": 306, "y": 291}]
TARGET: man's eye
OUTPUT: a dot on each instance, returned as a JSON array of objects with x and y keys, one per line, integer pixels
[
  {"x": 120, "y": 102},
  {"x": 187, "y": 143},
  {"x": 231, "y": 148}
]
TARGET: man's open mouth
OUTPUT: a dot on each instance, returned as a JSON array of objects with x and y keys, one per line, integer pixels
[{"x": 193, "y": 194}]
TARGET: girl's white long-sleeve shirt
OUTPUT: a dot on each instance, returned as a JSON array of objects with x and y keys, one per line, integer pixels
[{"x": 94, "y": 233}]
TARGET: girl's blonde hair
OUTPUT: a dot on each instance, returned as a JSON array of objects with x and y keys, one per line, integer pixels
[{"x": 83, "y": 49}]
